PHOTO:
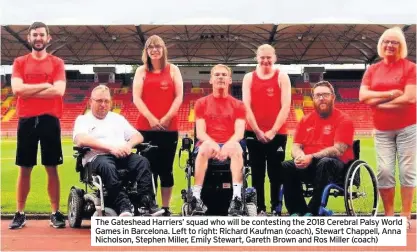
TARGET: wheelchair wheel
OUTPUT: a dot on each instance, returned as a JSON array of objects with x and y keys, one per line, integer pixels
[
  {"x": 361, "y": 193},
  {"x": 186, "y": 209},
  {"x": 108, "y": 212},
  {"x": 75, "y": 208}
]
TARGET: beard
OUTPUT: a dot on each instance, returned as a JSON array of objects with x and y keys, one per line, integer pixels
[
  {"x": 38, "y": 49},
  {"x": 324, "y": 112}
]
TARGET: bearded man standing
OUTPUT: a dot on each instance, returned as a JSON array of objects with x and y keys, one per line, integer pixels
[{"x": 38, "y": 81}]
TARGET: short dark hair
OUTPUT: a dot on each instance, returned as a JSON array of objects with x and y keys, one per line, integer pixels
[
  {"x": 323, "y": 84},
  {"x": 37, "y": 25}
]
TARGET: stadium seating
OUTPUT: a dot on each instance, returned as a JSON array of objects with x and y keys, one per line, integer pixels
[
  {"x": 77, "y": 96},
  {"x": 349, "y": 93}
]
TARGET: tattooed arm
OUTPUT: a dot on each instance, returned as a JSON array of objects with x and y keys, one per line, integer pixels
[
  {"x": 297, "y": 150},
  {"x": 336, "y": 150}
]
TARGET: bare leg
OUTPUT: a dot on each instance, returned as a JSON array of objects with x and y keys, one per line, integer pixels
[
  {"x": 166, "y": 193},
  {"x": 53, "y": 187},
  {"x": 407, "y": 196},
  {"x": 387, "y": 195},
  {"x": 23, "y": 187}
]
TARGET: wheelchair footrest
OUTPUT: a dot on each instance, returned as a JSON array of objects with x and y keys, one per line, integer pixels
[{"x": 325, "y": 212}]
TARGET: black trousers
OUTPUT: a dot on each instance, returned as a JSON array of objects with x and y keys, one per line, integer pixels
[
  {"x": 272, "y": 154},
  {"x": 162, "y": 159},
  {"x": 320, "y": 173},
  {"x": 138, "y": 167}
]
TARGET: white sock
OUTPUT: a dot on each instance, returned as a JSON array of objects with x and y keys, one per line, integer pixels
[
  {"x": 197, "y": 191},
  {"x": 237, "y": 190}
]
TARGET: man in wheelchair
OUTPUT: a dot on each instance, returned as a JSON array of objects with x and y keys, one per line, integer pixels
[
  {"x": 111, "y": 139},
  {"x": 321, "y": 149},
  {"x": 220, "y": 125}
]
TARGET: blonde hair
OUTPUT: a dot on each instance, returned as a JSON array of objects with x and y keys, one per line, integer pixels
[
  {"x": 265, "y": 46},
  {"x": 398, "y": 33},
  {"x": 221, "y": 65},
  {"x": 155, "y": 40}
]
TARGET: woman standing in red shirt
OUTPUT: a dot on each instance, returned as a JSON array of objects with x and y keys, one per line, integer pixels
[
  {"x": 158, "y": 94},
  {"x": 266, "y": 94},
  {"x": 389, "y": 86}
]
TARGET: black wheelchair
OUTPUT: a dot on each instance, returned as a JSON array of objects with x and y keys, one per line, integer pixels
[
  {"x": 83, "y": 204},
  {"x": 217, "y": 188},
  {"x": 358, "y": 186}
]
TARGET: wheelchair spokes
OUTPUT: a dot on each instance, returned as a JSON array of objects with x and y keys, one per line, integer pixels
[{"x": 361, "y": 195}]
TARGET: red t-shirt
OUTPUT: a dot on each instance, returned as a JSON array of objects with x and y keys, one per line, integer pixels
[
  {"x": 316, "y": 134},
  {"x": 220, "y": 115},
  {"x": 384, "y": 77},
  {"x": 158, "y": 94},
  {"x": 32, "y": 72},
  {"x": 266, "y": 102}
]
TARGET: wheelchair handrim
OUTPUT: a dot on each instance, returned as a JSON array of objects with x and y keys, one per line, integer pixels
[{"x": 355, "y": 167}]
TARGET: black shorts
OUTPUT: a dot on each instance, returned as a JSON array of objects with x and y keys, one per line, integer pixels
[{"x": 30, "y": 131}]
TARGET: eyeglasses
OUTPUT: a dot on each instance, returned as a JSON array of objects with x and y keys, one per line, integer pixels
[
  {"x": 393, "y": 42},
  {"x": 106, "y": 102},
  {"x": 322, "y": 95},
  {"x": 157, "y": 47}
]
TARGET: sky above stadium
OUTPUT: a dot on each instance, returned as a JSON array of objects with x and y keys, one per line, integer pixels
[
  {"x": 171, "y": 12},
  {"x": 103, "y": 12}
]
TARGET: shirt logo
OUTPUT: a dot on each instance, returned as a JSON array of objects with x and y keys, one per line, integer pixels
[
  {"x": 91, "y": 129},
  {"x": 309, "y": 129},
  {"x": 270, "y": 92},
  {"x": 327, "y": 130},
  {"x": 164, "y": 85}
]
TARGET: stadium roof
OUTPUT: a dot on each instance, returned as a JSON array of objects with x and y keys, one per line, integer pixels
[
  {"x": 109, "y": 32},
  {"x": 232, "y": 44}
]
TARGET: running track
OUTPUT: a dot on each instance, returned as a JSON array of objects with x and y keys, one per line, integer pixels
[{"x": 38, "y": 236}]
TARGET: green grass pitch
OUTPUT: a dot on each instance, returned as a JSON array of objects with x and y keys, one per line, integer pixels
[{"x": 38, "y": 200}]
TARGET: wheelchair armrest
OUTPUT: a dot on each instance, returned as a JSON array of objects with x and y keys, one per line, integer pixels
[
  {"x": 144, "y": 147},
  {"x": 80, "y": 151}
]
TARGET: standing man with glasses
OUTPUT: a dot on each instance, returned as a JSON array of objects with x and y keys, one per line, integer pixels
[
  {"x": 322, "y": 146},
  {"x": 38, "y": 81}
]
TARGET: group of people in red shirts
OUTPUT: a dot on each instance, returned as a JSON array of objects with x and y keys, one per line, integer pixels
[{"x": 322, "y": 142}]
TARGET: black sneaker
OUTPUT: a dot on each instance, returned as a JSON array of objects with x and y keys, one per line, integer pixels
[
  {"x": 198, "y": 206},
  {"x": 57, "y": 220},
  {"x": 149, "y": 207},
  {"x": 19, "y": 221},
  {"x": 235, "y": 208},
  {"x": 167, "y": 212},
  {"x": 154, "y": 210}
]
